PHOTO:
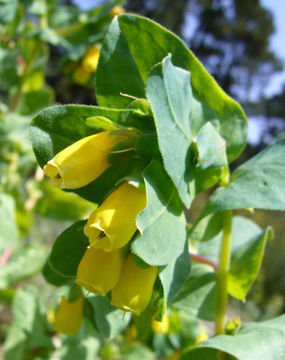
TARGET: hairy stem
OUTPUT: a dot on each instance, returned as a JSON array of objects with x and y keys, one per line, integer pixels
[{"x": 222, "y": 273}]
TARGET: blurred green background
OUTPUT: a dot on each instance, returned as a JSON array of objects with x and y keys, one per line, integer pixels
[{"x": 48, "y": 54}]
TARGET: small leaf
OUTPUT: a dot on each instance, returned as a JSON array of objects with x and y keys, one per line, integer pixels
[
  {"x": 25, "y": 261},
  {"x": 247, "y": 248},
  {"x": 197, "y": 296},
  {"x": 257, "y": 183},
  {"x": 109, "y": 320},
  {"x": 245, "y": 264},
  {"x": 265, "y": 340},
  {"x": 173, "y": 275},
  {"x": 162, "y": 223},
  {"x": 60, "y": 205},
  {"x": 68, "y": 250},
  {"x": 212, "y": 165},
  {"x": 53, "y": 277}
]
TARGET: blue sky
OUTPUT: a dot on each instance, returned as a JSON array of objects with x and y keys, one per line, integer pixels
[{"x": 277, "y": 42}]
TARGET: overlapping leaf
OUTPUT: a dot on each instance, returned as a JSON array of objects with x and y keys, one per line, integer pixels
[
  {"x": 130, "y": 50},
  {"x": 162, "y": 223},
  {"x": 68, "y": 250},
  {"x": 169, "y": 93}
]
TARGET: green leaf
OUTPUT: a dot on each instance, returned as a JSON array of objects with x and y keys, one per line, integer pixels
[
  {"x": 198, "y": 294},
  {"x": 169, "y": 93},
  {"x": 28, "y": 329},
  {"x": 136, "y": 351},
  {"x": 25, "y": 261},
  {"x": 110, "y": 321},
  {"x": 60, "y": 205},
  {"x": 33, "y": 101},
  {"x": 53, "y": 277},
  {"x": 247, "y": 248},
  {"x": 258, "y": 183},
  {"x": 162, "y": 223},
  {"x": 84, "y": 345},
  {"x": 173, "y": 275},
  {"x": 8, "y": 11},
  {"x": 15, "y": 343},
  {"x": 212, "y": 165},
  {"x": 265, "y": 340},
  {"x": 206, "y": 228},
  {"x": 9, "y": 232},
  {"x": 68, "y": 250},
  {"x": 128, "y": 53},
  {"x": 245, "y": 264}
]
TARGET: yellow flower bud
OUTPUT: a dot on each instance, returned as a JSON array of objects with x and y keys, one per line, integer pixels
[
  {"x": 91, "y": 58},
  {"x": 112, "y": 225},
  {"x": 82, "y": 162},
  {"x": 117, "y": 10},
  {"x": 81, "y": 75},
  {"x": 160, "y": 327},
  {"x": 134, "y": 289},
  {"x": 99, "y": 271},
  {"x": 201, "y": 337},
  {"x": 69, "y": 316}
]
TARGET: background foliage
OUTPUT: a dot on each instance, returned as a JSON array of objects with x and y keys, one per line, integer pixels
[{"x": 41, "y": 49}]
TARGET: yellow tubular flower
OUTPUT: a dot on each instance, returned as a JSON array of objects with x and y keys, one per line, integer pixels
[
  {"x": 99, "y": 271},
  {"x": 201, "y": 337},
  {"x": 112, "y": 225},
  {"x": 160, "y": 327},
  {"x": 117, "y": 10},
  {"x": 82, "y": 162},
  {"x": 81, "y": 75},
  {"x": 69, "y": 316},
  {"x": 91, "y": 58},
  {"x": 134, "y": 289}
]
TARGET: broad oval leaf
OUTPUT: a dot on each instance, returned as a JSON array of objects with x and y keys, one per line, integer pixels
[
  {"x": 68, "y": 250},
  {"x": 129, "y": 52},
  {"x": 162, "y": 223}
]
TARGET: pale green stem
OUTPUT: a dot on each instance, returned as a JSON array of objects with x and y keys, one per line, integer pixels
[{"x": 222, "y": 273}]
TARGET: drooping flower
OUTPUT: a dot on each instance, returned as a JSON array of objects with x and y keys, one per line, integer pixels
[
  {"x": 69, "y": 316},
  {"x": 134, "y": 288},
  {"x": 112, "y": 225},
  {"x": 117, "y": 10},
  {"x": 99, "y": 271},
  {"x": 91, "y": 58},
  {"x": 81, "y": 76},
  {"x": 82, "y": 162},
  {"x": 161, "y": 327}
]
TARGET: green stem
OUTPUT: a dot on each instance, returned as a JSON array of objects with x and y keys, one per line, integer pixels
[{"x": 222, "y": 273}]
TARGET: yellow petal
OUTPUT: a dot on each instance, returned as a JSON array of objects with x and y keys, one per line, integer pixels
[
  {"x": 81, "y": 75},
  {"x": 117, "y": 10},
  {"x": 99, "y": 271},
  {"x": 69, "y": 316},
  {"x": 82, "y": 162},
  {"x": 112, "y": 225},
  {"x": 91, "y": 58},
  {"x": 161, "y": 327},
  {"x": 134, "y": 289}
]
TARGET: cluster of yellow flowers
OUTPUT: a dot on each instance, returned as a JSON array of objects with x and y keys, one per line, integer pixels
[{"x": 110, "y": 227}]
